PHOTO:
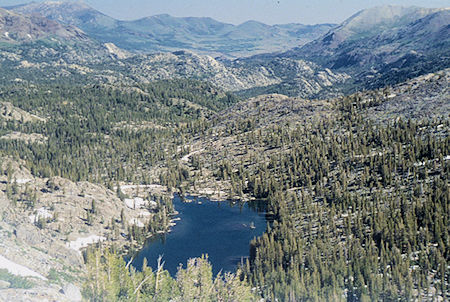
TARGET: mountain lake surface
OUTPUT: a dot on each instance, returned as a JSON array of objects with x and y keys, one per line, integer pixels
[{"x": 222, "y": 230}]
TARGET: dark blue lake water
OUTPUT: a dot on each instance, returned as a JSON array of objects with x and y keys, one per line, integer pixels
[{"x": 222, "y": 230}]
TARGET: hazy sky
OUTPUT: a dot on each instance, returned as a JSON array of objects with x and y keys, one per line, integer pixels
[{"x": 238, "y": 11}]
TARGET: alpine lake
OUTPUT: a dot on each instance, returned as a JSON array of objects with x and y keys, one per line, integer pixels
[{"x": 221, "y": 230}]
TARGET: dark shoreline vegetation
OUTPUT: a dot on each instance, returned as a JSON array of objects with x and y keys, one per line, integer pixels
[{"x": 360, "y": 207}]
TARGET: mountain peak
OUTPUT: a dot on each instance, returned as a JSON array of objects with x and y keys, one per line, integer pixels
[
  {"x": 78, "y": 4},
  {"x": 384, "y": 16},
  {"x": 15, "y": 27},
  {"x": 74, "y": 13}
]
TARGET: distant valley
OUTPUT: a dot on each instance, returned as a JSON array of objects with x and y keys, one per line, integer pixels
[
  {"x": 373, "y": 48},
  {"x": 164, "y": 33}
]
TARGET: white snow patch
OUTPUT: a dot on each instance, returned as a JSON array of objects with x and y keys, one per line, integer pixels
[
  {"x": 187, "y": 156},
  {"x": 137, "y": 223},
  {"x": 23, "y": 180},
  {"x": 447, "y": 157},
  {"x": 153, "y": 204},
  {"x": 209, "y": 191},
  {"x": 419, "y": 164},
  {"x": 6, "y": 34},
  {"x": 84, "y": 242},
  {"x": 40, "y": 213},
  {"x": 136, "y": 203},
  {"x": 124, "y": 187},
  {"x": 17, "y": 269},
  {"x": 144, "y": 214}
]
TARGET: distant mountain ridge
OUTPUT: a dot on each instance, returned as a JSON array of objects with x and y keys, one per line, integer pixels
[
  {"x": 17, "y": 28},
  {"x": 166, "y": 33},
  {"x": 371, "y": 49},
  {"x": 369, "y": 34},
  {"x": 378, "y": 32},
  {"x": 378, "y": 46}
]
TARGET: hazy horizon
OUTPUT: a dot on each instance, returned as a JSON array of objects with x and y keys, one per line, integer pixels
[{"x": 240, "y": 11}]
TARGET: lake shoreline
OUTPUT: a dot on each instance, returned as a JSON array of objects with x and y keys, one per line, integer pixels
[{"x": 205, "y": 226}]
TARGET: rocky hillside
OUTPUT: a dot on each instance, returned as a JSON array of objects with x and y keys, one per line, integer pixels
[
  {"x": 46, "y": 222},
  {"x": 164, "y": 33},
  {"x": 425, "y": 97},
  {"x": 375, "y": 47},
  {"x": 297, "y": 78},
  {"x": 380, "y": 35},
  {"x": 43, "y": 62},
  {"x": 384, "y": 44},
  {"x": 35, "y": 42},
  {"x": 230, "y": 75},
  {"x": 16, "y": 27}
]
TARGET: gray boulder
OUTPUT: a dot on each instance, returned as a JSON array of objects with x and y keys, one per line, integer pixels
[
  {"x": 4, "y": 202},
  {"x": 4, "y": 284},
  {"x": 72, "y": 292},
  {"x": 67, "y": 255},
  {"x": 29, "y": 234}
]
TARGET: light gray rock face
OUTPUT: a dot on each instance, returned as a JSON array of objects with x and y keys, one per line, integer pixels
[
  {"x": 237, "y": 75},
  {"x": 4, "y": 284},
  {"x": 186, "y": 64},
  {"x": 72, "y": 292},
  {"x": 28, "y": 234},
  {"x": 67, "y": 255},
  {"x": 4, "y": 202},
  {"x": 35, "y": 294}
]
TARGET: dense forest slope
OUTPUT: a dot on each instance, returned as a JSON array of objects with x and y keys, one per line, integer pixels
[
  {"x": 358, "y": 190},
  {"x": 356, "y": 187}
]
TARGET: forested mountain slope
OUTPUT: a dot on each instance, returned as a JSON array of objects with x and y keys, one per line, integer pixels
[{"x": 358, "y": 191}]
